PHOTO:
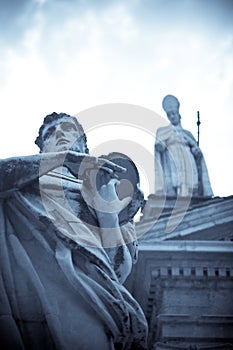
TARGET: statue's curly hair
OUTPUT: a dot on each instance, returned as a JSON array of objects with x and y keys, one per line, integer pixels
[{"x": 55, "y": 116}]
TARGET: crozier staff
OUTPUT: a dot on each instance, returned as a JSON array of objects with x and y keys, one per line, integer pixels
[{"x": 63, "y": 258}]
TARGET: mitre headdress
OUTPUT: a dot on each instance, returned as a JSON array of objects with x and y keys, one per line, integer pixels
[{"x": 170, "y": 103}]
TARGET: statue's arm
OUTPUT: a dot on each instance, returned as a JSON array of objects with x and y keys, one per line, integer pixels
[
  {"x": 162, "y": 137},
  {"x": 116, "y": 239},
  {"x": 159, "y": 146},
  {"x": 125, "y": 255},
  {"x": 118, "y": 243},
  {"x": 192, "y": 143},
  {"x": 17, "y": 172},
  {"x": 121, "y": 244}
]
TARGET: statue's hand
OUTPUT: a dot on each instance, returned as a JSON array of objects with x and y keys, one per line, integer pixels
[
  {"x": 109, "y": 195},
  {"x": 196, "y": 152},
  {"x": 103, "y": 199},
  {"x": 159, "y": 147},
  {"x": 108, "y": 204},
  {"x": 80, "y": 164}
]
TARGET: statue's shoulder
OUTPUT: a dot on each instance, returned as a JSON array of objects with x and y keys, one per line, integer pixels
[
  {"x": 165, "y": 132},
  {"x": 187, "y": 132},
  {"x": 164, "y": 129}
]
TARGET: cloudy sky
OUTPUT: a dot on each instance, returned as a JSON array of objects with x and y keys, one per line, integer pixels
[{"x": 70, "y": 56}]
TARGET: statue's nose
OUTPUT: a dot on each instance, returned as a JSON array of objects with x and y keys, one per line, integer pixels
[{"x": 59, "y": 133}]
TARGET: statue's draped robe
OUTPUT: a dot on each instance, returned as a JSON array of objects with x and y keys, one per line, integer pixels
[
  {"x": 176, "y": 169},
  {"x": 56, "y": 293}
]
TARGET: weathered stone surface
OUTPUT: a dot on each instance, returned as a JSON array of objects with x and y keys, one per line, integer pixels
[{"x": 61, "y": 269}]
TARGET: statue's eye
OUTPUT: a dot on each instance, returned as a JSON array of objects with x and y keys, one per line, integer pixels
[
  {"x": 66, "y": 126},
  {"x": 49, "y": 132}
]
